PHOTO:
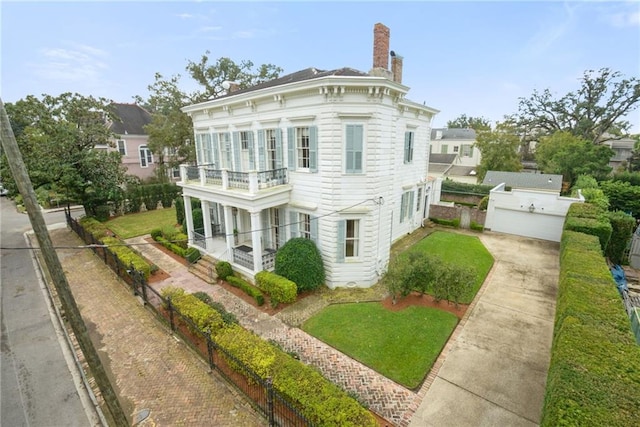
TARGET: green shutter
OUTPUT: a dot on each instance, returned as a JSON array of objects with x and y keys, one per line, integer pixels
[
  {"x": 278, "y": 148},
  {"x": 291, "y": 148},
  {"x": 227, "y": 144},
  {"x": 358, "y": 148},
  {"x": 282, "y": 238},
  {"x": 313, "y": 148},
  {"x": 410, "y": 204},
  {"x": 262, "y": 166},
  {"x": 342, "y": 227},
  {"x": 293, "y": 223},
  {"x": 350, "y": 151},
  {"x": 402, "y": 207},
  {"x": 252, "y": 153}
]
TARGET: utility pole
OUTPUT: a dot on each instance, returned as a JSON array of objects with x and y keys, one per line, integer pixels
[{"x": 19, "y": 172}]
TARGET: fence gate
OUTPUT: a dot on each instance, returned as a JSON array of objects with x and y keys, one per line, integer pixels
[{"x": 465, "y": 218}]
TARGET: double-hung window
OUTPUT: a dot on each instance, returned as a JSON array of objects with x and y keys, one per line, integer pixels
[
  {"x": 467, "y": 150},
  {"x": 419, "y": 199},
  {"x": 146, "y": 158},
  {"x": 406, "y": 206},
  {"x": 122, "y": 147},
  {"x": 270, "y": 136},
  {"x": 348, "y": 239},
  {"x": 302, "y": 147},
  {"x": 225, "y": 149},
  {"x": 353, "y": 147},
  {"x": 408, "y": 146},
  {"x": 304, "y": 226}
]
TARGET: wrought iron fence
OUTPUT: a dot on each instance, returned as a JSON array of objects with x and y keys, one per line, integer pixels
[{"x": 260, "y": 392}]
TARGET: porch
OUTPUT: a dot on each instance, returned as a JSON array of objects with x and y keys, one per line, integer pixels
[
  {"x": 241, "y": 254},
  {"x": 223, "y": 179}
]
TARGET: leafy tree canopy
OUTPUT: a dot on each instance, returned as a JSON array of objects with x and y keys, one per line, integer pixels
[
  {"x": 595, "y": 112},
  {"x": 467, "y": 122},
  {"x": 57, "y": 136},
  {"x": 499, "y": 149},
  {"x": 569, "y": 155}
]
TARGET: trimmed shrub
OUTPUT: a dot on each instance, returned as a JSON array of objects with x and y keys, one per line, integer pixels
[
  {"x": 449, "y": 186},
  {"x": 484, "y": 203},
  {"x": 476, "y": 227},
  {"x": 190, "y": 306},
  {"x": 179, "y": 202},
  {"x": 192, "y": 255},
  {"x": 227, "y": 318},
  {"x": 446, "y": 222},
  {"x": 127, "y": 255},
  {"x": 622, "y": 225},
  {"x": 247, "y": 288},
  {"x": 594, "y": 376},
  {"x": 280, "y": 289},
  {"x": 169, "y": 193},
  {"x": 204, "y": 297},
  {"x": 181, "y": 239},
  {"x": 95, "y": 227},
  {"x": 589, "y": 219},
  {"x": 224, "y": 269},
  {"x": 155, "y": 233},
  {"x": 299, "y": 260},
  {"x": 134, "y": 197},
  {"x": 319, "y": 400}
]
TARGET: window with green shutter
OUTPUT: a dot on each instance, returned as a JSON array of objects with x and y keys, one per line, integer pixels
[{"x": 354, "y": 144}]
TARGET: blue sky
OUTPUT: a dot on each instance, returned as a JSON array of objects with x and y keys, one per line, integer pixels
[{"x": 475, "y": 58}]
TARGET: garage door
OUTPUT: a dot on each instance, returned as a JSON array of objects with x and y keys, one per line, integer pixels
[{"x": 537, "y": 225}]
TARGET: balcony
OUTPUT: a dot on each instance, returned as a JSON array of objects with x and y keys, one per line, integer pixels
[{"x": 223, "y": 179}]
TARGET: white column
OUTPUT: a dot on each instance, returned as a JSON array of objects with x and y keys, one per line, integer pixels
[
  {"x": 256, "y": 241},
  {"x": 253, "y": 182},
  {"x": 206, "y": 217},
  {"x": 188, "y": 216},
  {"x": 228, "y": 225}
]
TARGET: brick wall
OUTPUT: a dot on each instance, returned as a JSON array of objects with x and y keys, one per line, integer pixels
[
  {"x": 463, "y": 198},
  {"x": 453, "y": 212}
]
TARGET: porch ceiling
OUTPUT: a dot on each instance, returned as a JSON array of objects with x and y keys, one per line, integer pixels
[{"x": 264, "y": 199}]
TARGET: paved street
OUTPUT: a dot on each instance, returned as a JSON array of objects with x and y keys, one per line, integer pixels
[{"x": 38, "y": 385}]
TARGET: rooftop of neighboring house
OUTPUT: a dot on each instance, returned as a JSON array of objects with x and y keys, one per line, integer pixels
[
  {"x": 524, "y": 180},
  {"x": 446, "y": 159},
  {"x": 453, "y": 133},
  {"x": 130, "y": 119}
]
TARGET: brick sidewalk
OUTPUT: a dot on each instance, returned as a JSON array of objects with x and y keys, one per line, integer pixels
[{"x": 148, "y": 367}]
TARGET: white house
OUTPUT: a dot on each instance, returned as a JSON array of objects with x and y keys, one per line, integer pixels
[
  {"x": 339, "y": 157},
  {"x": 453, "y": 154}
]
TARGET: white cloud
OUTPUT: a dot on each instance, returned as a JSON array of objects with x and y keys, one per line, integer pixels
[
  {"x": 209, "y": 29},
  {"x": 75, "y": 63},
  {"x": 624, "y": 19},
  {"x": 184, "y": 15},
  {"x": 550, "y": 33}
]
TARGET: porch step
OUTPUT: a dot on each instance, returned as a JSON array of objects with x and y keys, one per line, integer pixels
[{"x": 205, "y": 269}]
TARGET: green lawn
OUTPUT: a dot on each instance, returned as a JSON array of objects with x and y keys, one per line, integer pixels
[
  {"x": 461, "y": 250},
  {"x": 138, "y": 224},
  {"x": 400, "y": 345}
]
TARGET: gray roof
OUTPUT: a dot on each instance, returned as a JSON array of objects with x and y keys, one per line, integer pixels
[
  {"x": 438, "y": 167},
  {"x": 446, "y": 159},
  {"x": 453, "y": 133},
  {"x": 129, "y": 119},
  {"x": 298, "y": 76},
  {"x": 461, "y": 170},
  {"x": 524, "y": 180}
]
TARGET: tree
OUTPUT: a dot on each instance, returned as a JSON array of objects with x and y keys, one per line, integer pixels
[
  {"x": 212, "y": 76},
  {"x": 170, "y": 130},
  {"x": 634, "y": 160},
  {"x": 571, "y": 156},
  {"x": 595, "y": 109},
  {"x": 499, "y": 149},
  {"x": 476, "y": 123},
  {"x": 58, "y": 136},
  {"x": 300, "y": 261}
]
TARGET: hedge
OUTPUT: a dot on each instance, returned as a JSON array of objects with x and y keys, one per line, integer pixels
[
  {"x": 594, "y": 376},
  {"x": 95, "y": 227},
  {"x": 127, "y": 255},
  {"x": 205, "y": 317},
  {"x": 247, "y": 288},
  {"x": 224, "y": 269},
  {"x": 320, "y": 401},
  {"x": 190, "y": 254},
  {"x": 450, "y": 186},
  {"x": 589, "y": 219},
  {"x": 280, "y": 289},
  {"x": 623, "y": 226}
]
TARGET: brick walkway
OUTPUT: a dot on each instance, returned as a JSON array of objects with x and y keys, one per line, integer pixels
[
  {"x": 380, "y": 394},
  {"x": 149, "y": 368}
]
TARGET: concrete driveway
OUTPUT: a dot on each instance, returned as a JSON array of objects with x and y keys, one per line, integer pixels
[{"x": 495, "y": 372}]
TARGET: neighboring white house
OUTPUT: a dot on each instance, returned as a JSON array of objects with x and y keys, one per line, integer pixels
[
  {"x": 532, "y": 207},
  {"x": 339, "y": 157},
  {"x": 131, "y": 139},
  {"x": 453, "y": 155}
]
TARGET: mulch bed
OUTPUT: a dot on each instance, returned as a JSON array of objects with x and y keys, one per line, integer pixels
[{"x": 416, "y": 298}]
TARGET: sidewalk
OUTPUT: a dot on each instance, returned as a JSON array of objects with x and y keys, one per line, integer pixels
[{"x": 148, "y": 367}]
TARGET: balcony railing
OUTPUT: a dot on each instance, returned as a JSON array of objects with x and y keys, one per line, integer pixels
[
  {"x": 207, "y": 175},
  {"x": 199, "y": 238}
]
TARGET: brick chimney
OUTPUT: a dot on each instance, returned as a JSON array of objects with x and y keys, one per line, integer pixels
[
  {"x": 381, "y": 35},
  {"x": 396, "y": 67}
]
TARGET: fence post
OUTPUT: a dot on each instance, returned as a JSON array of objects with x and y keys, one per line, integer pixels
[
  {"x": 132, "y": 275},
  {"x": 170, "y": 308},
  {"x": 269, "y": 386},
  {"x": 143, "y": 283},
  {"x": 210, "y": 349}
]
